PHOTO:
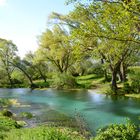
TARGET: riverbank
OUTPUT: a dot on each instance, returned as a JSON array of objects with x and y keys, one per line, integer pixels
[
  {"x": 57, "y": 126},
  {"x": 133, "y": 95}
]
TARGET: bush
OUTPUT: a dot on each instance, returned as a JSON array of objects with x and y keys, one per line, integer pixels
[
  {"x": 134, "y": 76},
  {"x": 118, "y": 132},
  {"x": 64, "y": 81},
  {"x": 42, "y": 84},
  {"x": 127, "y": 87}
]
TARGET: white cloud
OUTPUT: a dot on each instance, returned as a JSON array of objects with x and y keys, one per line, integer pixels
[{"x": 3, "y": 2}]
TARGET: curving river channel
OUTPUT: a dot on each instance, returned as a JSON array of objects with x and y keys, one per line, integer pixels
[{"x": 97, "y": 110}]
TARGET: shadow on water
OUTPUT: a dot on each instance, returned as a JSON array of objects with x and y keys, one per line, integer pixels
[{"x": 125, "y": 107}]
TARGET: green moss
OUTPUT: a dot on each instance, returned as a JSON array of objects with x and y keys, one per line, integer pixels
[{"x": 27, "y": 115}]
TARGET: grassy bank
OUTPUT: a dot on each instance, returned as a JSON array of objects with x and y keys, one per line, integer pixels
[
  {"x": 133, "y": 95},
  {"x": 94, "y": 81}
]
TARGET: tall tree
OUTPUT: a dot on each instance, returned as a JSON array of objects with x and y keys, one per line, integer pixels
[
  {"x": 23, "y": 66},
  {"x": 38, "y": 66},
  {"x": 7, "y": 53},
  {"x": 56, "y": 48},
  {"x": 114, "y": 30}
]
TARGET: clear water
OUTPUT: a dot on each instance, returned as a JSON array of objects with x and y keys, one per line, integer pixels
[{"x": 97, "y": 110}]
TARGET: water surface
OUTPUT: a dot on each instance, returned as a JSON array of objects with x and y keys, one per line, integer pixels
[{"x": 97, "y": 110}]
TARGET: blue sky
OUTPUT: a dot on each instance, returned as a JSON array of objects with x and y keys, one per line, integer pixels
[{"x": 23, "y": 20}]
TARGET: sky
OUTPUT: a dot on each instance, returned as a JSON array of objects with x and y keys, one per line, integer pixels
[{"x": 22, "y": 21}]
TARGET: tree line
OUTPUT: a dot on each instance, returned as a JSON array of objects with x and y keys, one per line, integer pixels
[{"x": 103, "y": 31}]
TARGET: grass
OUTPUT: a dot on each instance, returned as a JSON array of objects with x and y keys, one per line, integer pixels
[
  {"x": 10, "y": 129},
  {"x": 44, "y": 133},
  {"x": 86, "y": 77},
  {"x": 90, "y": 81},
  {"x": 133, "y": 95}
]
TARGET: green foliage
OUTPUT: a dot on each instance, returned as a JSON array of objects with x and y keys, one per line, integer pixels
[
  {"x": 40, "y": 84},
  {"x": 64, "y": 80},
  {"x": 118, "y": 132},
  {"x": 43, "y": 133},
  {"x": 134, "y": 76},
  {"x": 7, "y": 54},
  {"x": 19, "y": 79},
  {"x": 105, "y": 32},
  {"x": 8, "y": 123},
  {"x": 56, "y": 48},
  {"x": 127, "y": 87}
]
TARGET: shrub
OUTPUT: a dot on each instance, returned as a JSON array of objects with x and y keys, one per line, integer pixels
[
  {"x": 118, "y": 132},
  {"x": 64, "y": 81},
  {"x": 127, "y": 87},
  {"x": 134, "y": 76},
  {"x": 41, "y": 84}
]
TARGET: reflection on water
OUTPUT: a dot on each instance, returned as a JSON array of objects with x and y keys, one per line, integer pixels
[{"x": 97, "y": 110}]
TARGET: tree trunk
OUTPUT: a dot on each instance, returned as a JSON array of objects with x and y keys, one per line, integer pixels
[
  {"x": 104, "y": 69},
  {"x": 44, "y": 78},
  {"x": 120, "y": 76},
  {"x": 9, "y": 77},
  {"x": 122, "y": 72},
  {"x": 105, "y": 75},
  {"x": 27, "y": 75},
  {"x": 82, "y": 72},
  {"x": 42, "y": 75},
  {"x": 114, "y": 81},
  {"x": 24, "y": 71}
]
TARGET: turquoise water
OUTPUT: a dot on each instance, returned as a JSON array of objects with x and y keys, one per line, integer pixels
[{"x": 97, "y": 110}]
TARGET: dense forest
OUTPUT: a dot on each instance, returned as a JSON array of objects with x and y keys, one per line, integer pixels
[{"x": 95, "y": 46}]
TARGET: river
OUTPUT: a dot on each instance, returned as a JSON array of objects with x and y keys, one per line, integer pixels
[{"x": 97, "y": 110}]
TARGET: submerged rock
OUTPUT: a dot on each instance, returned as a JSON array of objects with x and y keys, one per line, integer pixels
[{"x": 6, "y": 113}]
